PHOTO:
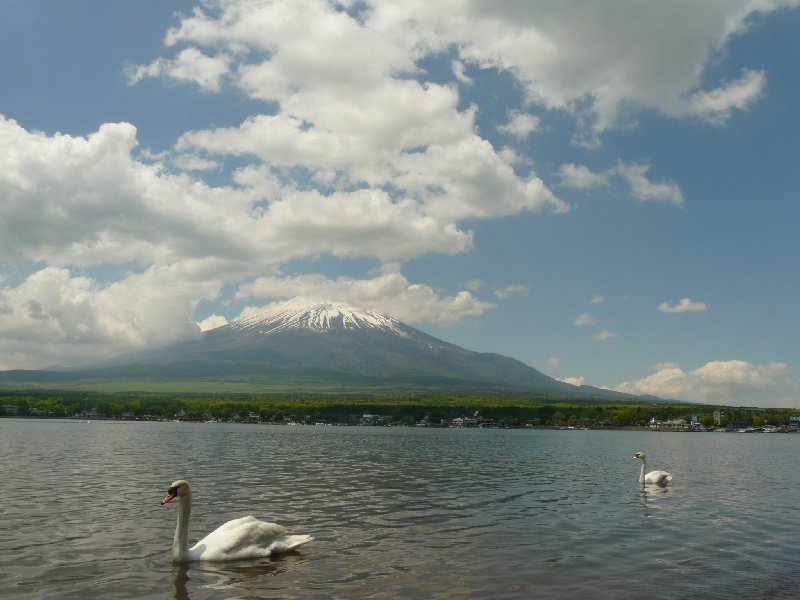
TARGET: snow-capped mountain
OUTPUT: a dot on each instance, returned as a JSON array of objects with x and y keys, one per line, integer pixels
[
  {"x": 314, "y": 316},
  {"x": 299, "y": 345}
]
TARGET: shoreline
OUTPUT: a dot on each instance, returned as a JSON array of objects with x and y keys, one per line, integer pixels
[{"x": 629, "y": 428}]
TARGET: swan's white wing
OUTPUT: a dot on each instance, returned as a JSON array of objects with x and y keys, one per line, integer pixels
[
  {"x": 658, "y": 477},
  {"x": 288, "y": 543},
  {"x": 240, "y": 538}
]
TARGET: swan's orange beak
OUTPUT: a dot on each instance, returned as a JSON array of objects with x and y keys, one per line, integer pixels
[{"x": 168, "y": 497}]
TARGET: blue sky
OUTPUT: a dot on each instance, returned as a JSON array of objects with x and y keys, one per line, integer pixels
[{"x": 605, "y": 191}]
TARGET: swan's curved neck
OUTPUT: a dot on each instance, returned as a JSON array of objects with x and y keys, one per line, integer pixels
[
  {"x": 180, "y": 544},
  {"x": 641, "y": 473}
]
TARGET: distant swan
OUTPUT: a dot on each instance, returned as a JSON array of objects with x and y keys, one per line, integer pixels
[
  {"x": 656, "y": 477},
  {"x": 240, "y": 538}
]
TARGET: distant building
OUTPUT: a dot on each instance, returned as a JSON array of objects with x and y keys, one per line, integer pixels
[
  {"x": 752, "y": 411},
  {"x": 369, "y": 419},
  {"x": 672, "y": 423},
  {"x": 92, "y": 413},
  {"x": 10, "y": 409},
  {"x": 382, "y": 420}
]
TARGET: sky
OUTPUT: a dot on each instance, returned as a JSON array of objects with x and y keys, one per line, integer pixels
[{"x": 605, "y": 190}]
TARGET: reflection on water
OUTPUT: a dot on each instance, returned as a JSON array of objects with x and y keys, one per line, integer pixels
[
  {"x": 226, "y": 576},
  {"x": 233, "y": 575},
  {"x": 397, "y": 513},
  {"x": 653, "y": 490},
  {"x": 180, "y": 577}
]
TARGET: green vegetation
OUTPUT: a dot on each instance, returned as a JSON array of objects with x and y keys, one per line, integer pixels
[{"x": 407, "y": 408}]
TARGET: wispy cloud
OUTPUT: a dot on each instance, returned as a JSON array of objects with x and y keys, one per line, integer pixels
[
  {"x": 512, "y": 290},
  {"x": 189, "y": 65},
  {"x": 645, "y": 190},
  {"x": 716, "y": 106},
  {"x": 520, "y": 125},
  {"x": 635, "y": 175},
  {"x": 581, "y": 177},
  {"x": 584, "y": 319},
  {"x": 686, "y": 305},
  {"x": 605, "y": 335},
  {"x": 474, "y": 285},
  {"x": 190, "y": 162},
  {"x": 460, "y": 72}
]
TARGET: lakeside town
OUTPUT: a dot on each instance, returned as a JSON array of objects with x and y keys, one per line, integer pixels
[{"x": 751, "y": 420}]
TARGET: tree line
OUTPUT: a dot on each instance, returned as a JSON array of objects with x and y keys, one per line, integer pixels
[{"x": 511, "y": 411}]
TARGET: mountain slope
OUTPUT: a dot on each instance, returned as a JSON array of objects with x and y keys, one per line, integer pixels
[{"x": 298, "y": 343}]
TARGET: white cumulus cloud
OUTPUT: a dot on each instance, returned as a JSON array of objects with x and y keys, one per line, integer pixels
[
  {"x": 616, "y": 58},
  {"x": 212, "y": 322},
  {"x": 599, "y": 62},
  {"x": 54, "y": 317},
  {"x": 389, "y": 293},
  {"x": 731, "y": 382},
  {"x": 189, "y": 65},
  {"x": 359, "y": 152}
]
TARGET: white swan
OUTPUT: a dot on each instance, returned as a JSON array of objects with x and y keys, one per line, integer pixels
[
  {"x": 656, "y": 477},
  {"x": 240, "y": 538}
]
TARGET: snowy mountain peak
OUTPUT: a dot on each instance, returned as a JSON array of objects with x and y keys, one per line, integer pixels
[{"x": 315, "y": 316}]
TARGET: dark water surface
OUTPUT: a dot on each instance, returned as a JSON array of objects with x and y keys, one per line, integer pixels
[{"x": 399, "y": 513}]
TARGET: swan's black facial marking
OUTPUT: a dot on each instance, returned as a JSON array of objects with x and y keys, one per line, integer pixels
[{"x": 171, "y": 493}]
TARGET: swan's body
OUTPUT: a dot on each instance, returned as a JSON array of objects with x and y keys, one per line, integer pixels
[
  {"x": 653, "y": 477},
  {"x": 240, "y": 538}
]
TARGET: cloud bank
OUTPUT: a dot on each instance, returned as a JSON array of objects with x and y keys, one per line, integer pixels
[
  {"x": 359, "y": 152},
  {"x": 732, "y": 382}
]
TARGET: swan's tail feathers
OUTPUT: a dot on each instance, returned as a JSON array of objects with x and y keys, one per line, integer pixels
[
  {"x": 663, "y": 479},
  {"x": 289, "y": 543}
]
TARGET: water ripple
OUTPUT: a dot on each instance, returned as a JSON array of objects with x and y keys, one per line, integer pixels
[{"x": 397, "y": 513}]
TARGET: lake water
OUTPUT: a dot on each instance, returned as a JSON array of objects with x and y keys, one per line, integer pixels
[{"x": 399, "y": 512}]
